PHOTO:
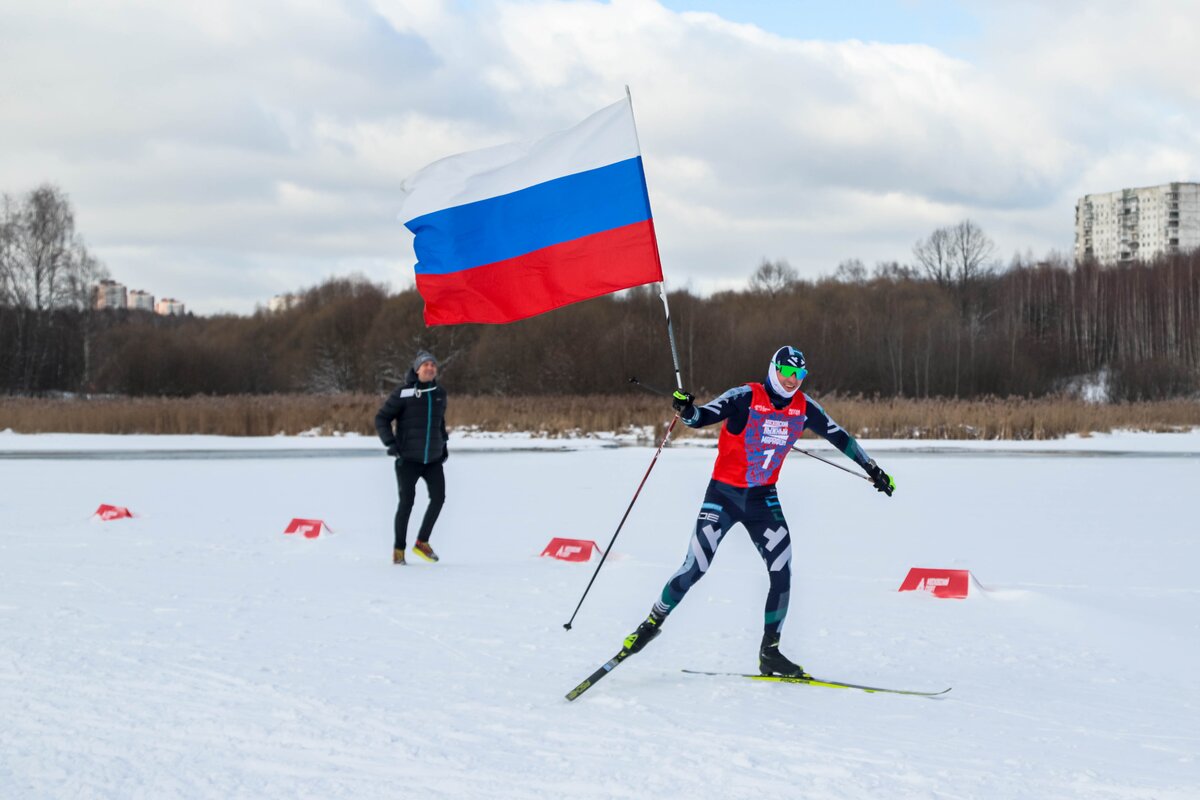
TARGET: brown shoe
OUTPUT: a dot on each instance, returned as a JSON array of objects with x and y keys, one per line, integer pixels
[
  {"x": 425, "y": 551},
  {"x": 398, "y": 557}
]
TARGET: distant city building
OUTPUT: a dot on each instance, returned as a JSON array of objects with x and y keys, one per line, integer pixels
[
  {"x": 143, "y": 301},
  {"x": 1137, "y": 224},
  {"x": 282, "y": 302},
  {"x": 109, "y": 294},
  {"x": 169, "y": 306}
]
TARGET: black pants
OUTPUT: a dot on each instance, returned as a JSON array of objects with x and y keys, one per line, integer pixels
[
  {"x": 757, "y": 509},
  {"x": 407, "y": 473}
]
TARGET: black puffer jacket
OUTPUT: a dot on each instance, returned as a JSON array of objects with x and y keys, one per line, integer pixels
[{"x": 419, "y": 413}]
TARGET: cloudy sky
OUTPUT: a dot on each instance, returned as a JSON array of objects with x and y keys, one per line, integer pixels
[{"x": 223, "y": 151}]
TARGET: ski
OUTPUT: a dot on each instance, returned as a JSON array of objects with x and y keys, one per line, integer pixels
[
  {"x": 819, "y": 682},
  {"x": 607, "y": 667}
]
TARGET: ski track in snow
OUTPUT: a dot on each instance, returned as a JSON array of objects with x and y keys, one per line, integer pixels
[{"x": 196, "y": 651}]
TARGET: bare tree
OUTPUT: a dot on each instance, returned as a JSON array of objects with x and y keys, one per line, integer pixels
[
  {"x": 44, "y": 264},
  {"x": 331, "y": 374},
  {"x": 772, "y": 277},
  {"x": 894, "y": 271},
  {"x": 971, "y": 250},
  {"x": 8, "y": 232},
  {"x": 956, "y": 255},
  {"x": 852, "y": 270},
  {"x": 935, "y": 257}
]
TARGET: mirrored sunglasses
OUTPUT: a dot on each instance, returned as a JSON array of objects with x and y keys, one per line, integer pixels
[{"x": 788, "y": 371}]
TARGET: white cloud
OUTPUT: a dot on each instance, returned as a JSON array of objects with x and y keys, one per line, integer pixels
[{"x": 245, "y": 149}]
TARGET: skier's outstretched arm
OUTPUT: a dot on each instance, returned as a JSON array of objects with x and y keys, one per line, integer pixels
[{"x": 820, "y": 423}]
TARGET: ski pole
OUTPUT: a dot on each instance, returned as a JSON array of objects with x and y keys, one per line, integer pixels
[
  {"x": 798, "y": 449},
  {"x": 608, "y": 549},
  {"x": 830, "y": 463},
  {"x": 649, "y": 389}
]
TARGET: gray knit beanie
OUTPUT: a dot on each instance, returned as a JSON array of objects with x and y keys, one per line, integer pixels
[{"x": 422, "y": 357}]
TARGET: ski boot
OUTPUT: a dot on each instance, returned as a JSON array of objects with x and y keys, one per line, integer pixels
[
  {"x": 773, "y": 662},
  {"x": 651, "y": 627},
  {"x": 425, "y": 551},
  {"x": 398, "y": 557}
]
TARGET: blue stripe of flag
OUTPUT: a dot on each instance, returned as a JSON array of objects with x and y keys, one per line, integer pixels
[{"x": 511, "y": 225}]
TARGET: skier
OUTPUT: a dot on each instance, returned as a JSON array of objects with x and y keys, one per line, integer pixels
[
  {"x": 418, "y": 443},
  {"x": 762, "y": 421}
]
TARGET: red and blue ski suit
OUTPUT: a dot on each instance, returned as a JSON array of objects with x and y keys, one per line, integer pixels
[{"x": 760, "y": 428}]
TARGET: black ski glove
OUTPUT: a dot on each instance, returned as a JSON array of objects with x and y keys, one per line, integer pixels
[
  {"x": 883, "y": 482},
  {"x": 393, "y": 451},
  {"x": 683, "y": 402},
  {"x": 445, "y": 455}
]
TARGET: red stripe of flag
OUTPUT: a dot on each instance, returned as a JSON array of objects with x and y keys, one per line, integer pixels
[{"x": 545, "y": 279}]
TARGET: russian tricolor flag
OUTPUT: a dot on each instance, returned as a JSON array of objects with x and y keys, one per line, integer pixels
[{"x": 517, "y": 230}]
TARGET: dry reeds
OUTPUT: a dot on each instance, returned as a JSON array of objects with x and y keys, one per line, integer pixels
[
  {"x": 1006, "y": 418},
  {"x": 568, "y": 415},
  {"x": 240, "y": 415}
]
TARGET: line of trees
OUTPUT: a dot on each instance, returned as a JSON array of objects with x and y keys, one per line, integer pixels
[{"x": 950, "y": 325}]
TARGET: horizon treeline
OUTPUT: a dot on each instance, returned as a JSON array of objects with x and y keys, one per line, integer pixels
[
  {"x": 954, "y": 326},
  {"x": 1031, "y": 330}
]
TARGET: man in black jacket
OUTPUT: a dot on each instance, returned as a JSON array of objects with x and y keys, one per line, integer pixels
[{"x": 417, "y": 409}]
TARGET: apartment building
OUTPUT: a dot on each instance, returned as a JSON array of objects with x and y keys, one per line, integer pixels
[
  {"x": 169, "y": 306},
  {"x": 1137, "y": 224},
  {"x": 141, "y": 300},
  {"x": 109, "y": 294}
]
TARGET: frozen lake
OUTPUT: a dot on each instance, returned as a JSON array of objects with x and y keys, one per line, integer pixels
[{"x": 196, "y": 651}]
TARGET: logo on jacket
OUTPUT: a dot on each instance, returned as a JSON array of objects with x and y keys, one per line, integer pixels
[{"x": 775, "y": 431}]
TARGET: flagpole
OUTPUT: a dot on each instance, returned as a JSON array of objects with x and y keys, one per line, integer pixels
[
  {"x": 662, "y": 284},
  {"x": 662, "y": 292}
]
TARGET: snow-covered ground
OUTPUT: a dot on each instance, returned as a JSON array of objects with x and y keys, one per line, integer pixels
[{"x": 196, "y": 651}]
